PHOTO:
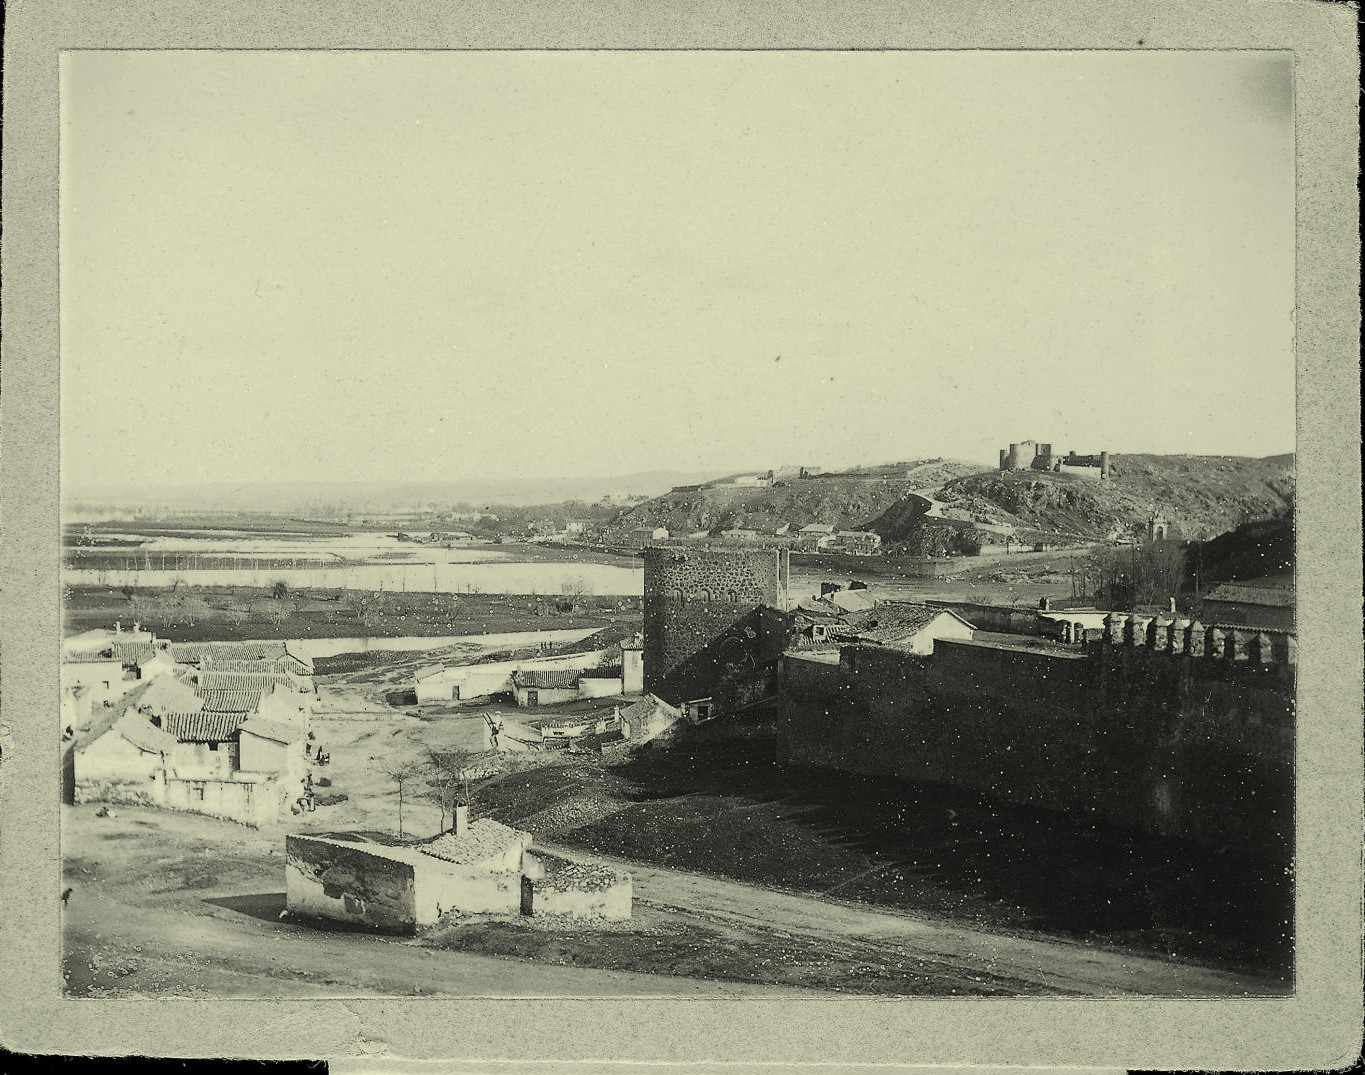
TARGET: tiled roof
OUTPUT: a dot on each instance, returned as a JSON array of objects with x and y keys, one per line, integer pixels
[
  {"x": 634, "y": 642},
  {"x": 645, "y": 706},
  {"x": 171, "y": 694},
  {"x": 900, "y": 620},
  {"x": 230, "y": 701},
  {"x": 210, "y": 679},
  {"x": 547, "y": 678},
  {"x": 144, "y": 735},
  {"x": 428, "y": 671},
  {"x": 612, "y": 672},
  {"x": 484, "y": 839},
  {"x": 817, "y": 528},
  {"x": 202, "y": 727},
  {"x": 104, "y": 719},
  {"x": 277, "y": 731},
  {"x": 248, "y": 664},
  {"x": 853, "y": 600},
  {"x": 1243, "y": 593},
  {"x": 134, "y": 652},
  {"x": 820, "y": 607},
  {"x": 277, "y": 653},
  {"x": 101, "y": 657}
]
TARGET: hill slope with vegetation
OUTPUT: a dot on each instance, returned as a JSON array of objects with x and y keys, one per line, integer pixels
[
  {"x": 850, "y": 500},
  {"x": 1199, "y": 496}
]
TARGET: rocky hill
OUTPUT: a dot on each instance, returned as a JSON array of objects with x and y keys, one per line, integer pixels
[
  {"x": 1200, "y": 496},
  {"x": 850, "y": 500}
]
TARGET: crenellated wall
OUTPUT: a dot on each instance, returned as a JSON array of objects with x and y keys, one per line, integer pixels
[{"x": 1195, "y": 742}]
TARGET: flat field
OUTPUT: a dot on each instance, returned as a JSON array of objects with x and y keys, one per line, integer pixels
[{"x": 234, "y": 613}]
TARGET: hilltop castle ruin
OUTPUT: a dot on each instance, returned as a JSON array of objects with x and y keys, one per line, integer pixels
[{"x": 1030, "y": 455}]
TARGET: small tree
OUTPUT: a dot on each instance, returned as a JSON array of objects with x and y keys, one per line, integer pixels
[
  {"x": 448, "y": 780},
  {"x": 279, "y": 589},
  {"x": 405, "y": 775}
]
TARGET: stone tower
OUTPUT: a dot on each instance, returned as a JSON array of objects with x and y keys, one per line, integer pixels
[{"x": 696, "y": 602}]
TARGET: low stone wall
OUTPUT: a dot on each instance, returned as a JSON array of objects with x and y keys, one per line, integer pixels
[
  {"x": 117, "y": 790},
  {"x": 442, "y": 887},
  {"x": 252, "y": 803},
  {"x": 558, "y": 886}
]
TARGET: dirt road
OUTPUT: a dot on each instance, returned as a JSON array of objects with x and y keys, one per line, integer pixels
[
  {"x": 963, "y": 958},
  {"x": 163, "y": 906}
]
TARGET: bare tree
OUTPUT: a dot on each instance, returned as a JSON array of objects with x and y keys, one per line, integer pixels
[
  {"x": 405, "y": 774},
  {"x": 449, "y": 779}
]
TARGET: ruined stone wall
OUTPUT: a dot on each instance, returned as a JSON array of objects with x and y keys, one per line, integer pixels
[
  {"x": 1198, "y": 746},
  {"x": 349, "y": 884},
  {"x": 693, "y": 601}
]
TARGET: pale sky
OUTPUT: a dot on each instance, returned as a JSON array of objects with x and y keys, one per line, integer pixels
[{"x": 431, "y": 266}]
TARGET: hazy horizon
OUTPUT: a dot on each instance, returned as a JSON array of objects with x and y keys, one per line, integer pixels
[{"x": 502, "y": 267}]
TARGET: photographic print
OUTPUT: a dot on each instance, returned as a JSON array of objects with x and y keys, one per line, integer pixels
[{"x": 709, "y": 524}]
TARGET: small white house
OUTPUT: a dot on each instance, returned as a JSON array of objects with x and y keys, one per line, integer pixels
[
  {"x": 912, "y": 628},
  {"x": 101, "y": 674},
  {"x": 549, "y": 686}
]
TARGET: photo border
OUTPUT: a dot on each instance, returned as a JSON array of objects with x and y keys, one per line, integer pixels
[{"x": 1319, "y": 1027}]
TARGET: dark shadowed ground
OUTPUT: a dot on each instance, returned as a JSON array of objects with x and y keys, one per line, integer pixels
[{"x": 725, "y": 809}]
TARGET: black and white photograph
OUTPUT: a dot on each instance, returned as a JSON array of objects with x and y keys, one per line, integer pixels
[{"x": 711, "y": 525}]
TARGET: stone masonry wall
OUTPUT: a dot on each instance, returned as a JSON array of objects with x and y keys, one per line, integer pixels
[
  {"x": 349, "y": 884},
  {"x": 1199, "y": 747},
  {"x": 692, "y": 599}
]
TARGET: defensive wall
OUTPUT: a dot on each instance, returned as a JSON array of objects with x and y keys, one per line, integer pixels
[
  {"x": 1174, "y": 728},
  {"x": 702, "y": 615}
]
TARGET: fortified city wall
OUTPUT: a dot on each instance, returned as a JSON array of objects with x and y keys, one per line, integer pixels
[{"x": 1176, "y": 729}]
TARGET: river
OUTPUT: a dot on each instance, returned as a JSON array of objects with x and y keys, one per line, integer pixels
[
  {"x": 484, "y": 576},
  {"x": 317, "y": 648}
]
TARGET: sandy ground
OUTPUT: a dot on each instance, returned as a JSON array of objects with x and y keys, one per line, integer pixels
[
  {"x": 961, "y": 958},
  {"x": 177, "y": 905}
]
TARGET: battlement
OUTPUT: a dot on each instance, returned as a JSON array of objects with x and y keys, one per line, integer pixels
[{"x": 1178, "y": 637}]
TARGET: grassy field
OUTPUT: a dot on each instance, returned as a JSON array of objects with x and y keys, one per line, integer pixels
[{"x": 232, "y": 613}]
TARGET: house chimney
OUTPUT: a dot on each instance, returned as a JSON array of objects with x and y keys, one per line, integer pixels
[
  {"x": 118, "y": 627},
  {"x": 1172, "y": 606},
  {"x": 461, "y": 818},
  {"x": 1045, "y": 604},
  {"x": 137, "y": 626}
]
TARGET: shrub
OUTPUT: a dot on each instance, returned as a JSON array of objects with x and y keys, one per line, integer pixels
[
  {"x": 332, "y": 799},
  {"x": 323, "y": 781}
]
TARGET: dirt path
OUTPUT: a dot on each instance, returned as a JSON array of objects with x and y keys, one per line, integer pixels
[
  {"x": 972, "y": 955},
  {"x": 162, "y": 907}
]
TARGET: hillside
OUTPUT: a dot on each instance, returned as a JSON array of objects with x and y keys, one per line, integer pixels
[
  {"x": 1200, "y": 496},
  {"x": 1264, "y": 547},
  {"x": 852, "y": 500}
]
